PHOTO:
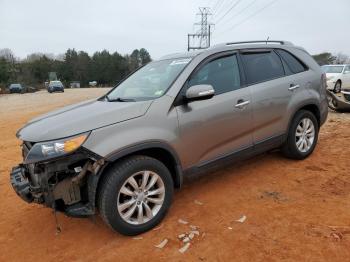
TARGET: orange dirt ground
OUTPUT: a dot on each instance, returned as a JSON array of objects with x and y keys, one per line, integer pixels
[{"x": 296, "y": 210}]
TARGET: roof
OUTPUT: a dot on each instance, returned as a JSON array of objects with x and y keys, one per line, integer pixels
[{"x": 236, "y": 45}]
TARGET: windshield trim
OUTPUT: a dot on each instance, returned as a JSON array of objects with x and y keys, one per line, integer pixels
[{"x": 104, "y": 97}]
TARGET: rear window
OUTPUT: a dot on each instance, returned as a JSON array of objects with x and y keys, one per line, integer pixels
[
  {"x": 262, "y": 66},
  {"x": 293, "y": 64}
]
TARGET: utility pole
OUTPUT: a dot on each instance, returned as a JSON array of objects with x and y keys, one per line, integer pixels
[{"x": 201, "y": 39}]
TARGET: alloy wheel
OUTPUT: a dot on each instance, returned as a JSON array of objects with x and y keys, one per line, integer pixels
[
  {"x": 305, "y": 135},
  {"x": 141, "y": 197}
]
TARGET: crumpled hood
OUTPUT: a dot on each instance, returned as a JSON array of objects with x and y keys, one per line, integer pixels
[{"x": 80, "y": 118}]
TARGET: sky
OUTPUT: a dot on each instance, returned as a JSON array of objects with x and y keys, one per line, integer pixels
[{"x": 161, "y": 26}]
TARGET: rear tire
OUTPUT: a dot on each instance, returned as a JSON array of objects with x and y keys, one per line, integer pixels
[
  {"x": 123, "y": 184},
  {"x": 302, "y": 136}
]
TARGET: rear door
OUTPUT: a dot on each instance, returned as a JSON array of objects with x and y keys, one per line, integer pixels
[
  {"x": 213, "y": 128},
  {"x": 273, "y": 85}
]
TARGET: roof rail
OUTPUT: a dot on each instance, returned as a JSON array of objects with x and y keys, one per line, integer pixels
[{"x": 261, "y": 41}]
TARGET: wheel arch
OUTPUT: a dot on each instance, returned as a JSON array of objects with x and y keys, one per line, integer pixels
[
  {"x": 311, "y": 107},
  {"x": 156, "y": 149}
]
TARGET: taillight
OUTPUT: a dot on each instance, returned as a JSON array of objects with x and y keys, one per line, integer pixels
[{"x": 324, "y": 81}]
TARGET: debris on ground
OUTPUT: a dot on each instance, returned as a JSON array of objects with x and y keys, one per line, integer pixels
[
  {"x": 336, "y": 233},
  {"x": 197, "y": 202},
  {"x": 193, "y": 227},
  {"x": 181, "y": 221},
  {"x": 184, "y": 248},
  {"x": 276, "y": 196},
  {"x": 187, "y": 237},
  {"x": 162, "y": 244},
  {"x": 181, "y": 236},
  {"x": 230, "y": 228},
  {"x": 242, "y": 219},
  {"x": 137, "y": 238},
  {"x": 195, "y": 232}
]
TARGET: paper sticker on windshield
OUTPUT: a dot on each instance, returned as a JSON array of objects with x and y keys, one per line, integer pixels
[{"x": 180, "y": 61}]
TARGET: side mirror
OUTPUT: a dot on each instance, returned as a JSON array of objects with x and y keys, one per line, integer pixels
[{"x": 199, "y": 92}]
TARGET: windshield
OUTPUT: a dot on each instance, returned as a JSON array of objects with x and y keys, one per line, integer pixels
[
  {"x": 56, "y": 83},
  {"x": 333, "y": 69},
  {"x": 15, "y": 85},
  {"x": 149, "y": 82}
]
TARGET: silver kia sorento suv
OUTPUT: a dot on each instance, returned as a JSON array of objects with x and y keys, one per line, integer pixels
[{"x": 123, "y": 154}]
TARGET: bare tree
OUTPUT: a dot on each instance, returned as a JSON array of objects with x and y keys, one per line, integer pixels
[
  {"x": 341, "y": 59},
  {"x": 8, "y": 55}
]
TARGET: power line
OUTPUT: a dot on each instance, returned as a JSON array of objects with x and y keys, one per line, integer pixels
[
  {"x": 249, "y": 17},
  {"x": 221, "y": 8},
  {"x": 217, "y": 5},
  {"x": 201, "y": 39},
  {"x": 244, "y": 9},
  {"x": 228, "y": 11}
]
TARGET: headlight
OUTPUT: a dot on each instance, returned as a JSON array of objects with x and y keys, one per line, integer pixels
[{"x": 51, "y": 149}]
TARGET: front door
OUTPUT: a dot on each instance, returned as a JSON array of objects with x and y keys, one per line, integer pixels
[{"x": 213, "y": 128}]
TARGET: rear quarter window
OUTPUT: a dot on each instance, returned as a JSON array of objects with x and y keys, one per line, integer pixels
[
  {"x": 262, "y": 66},
  {"x": 293, "y": 64}
]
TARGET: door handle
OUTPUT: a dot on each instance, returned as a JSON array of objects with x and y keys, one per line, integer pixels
[
  {"x": 241, "y": 103},
  {"x": 293, "y": 87}
]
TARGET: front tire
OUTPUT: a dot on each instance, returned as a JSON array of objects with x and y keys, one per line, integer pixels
[
  {"x": 302, "y": 136},
  {"x": 135, "y": 195},
  {"x": 337, "y": 87}
]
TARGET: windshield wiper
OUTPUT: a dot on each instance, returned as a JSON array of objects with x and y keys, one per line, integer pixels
[{"x": 119, "y": 99}]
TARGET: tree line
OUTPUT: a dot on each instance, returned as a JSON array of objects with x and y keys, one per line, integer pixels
[
  {"x": 327, "y": 58},
  {"x": 104, "y": 67}
]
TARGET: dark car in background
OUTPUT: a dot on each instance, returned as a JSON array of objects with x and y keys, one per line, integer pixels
[
  {"x": 55, "y": 86},
  {"x": 16, "y": 88}
]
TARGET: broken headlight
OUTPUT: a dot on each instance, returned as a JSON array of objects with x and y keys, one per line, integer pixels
[{"x": 52, "y": 149}]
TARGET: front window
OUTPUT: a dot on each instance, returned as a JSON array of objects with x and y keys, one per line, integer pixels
[
  {"x": 222, "y": 74},
  {"x": 56, "y": 83},
  {"x": 149, "y": 82},
  {"x": 333, "y": 69}
]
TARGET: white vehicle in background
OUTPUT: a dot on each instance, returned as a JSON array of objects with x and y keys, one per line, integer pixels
[
  {"x": 93, "y": 83},
  {"x": 338, "y": 77}
]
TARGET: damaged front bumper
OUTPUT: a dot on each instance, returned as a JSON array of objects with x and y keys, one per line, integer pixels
[
  {"x": 67, "y": 184},
  {"x": 20, "y": 183}
]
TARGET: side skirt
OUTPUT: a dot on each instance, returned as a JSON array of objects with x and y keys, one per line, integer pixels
[{"x": 236, "y": 156}]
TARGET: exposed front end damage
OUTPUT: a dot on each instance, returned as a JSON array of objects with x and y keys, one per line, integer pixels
[{"x": 67, "y": 184}]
